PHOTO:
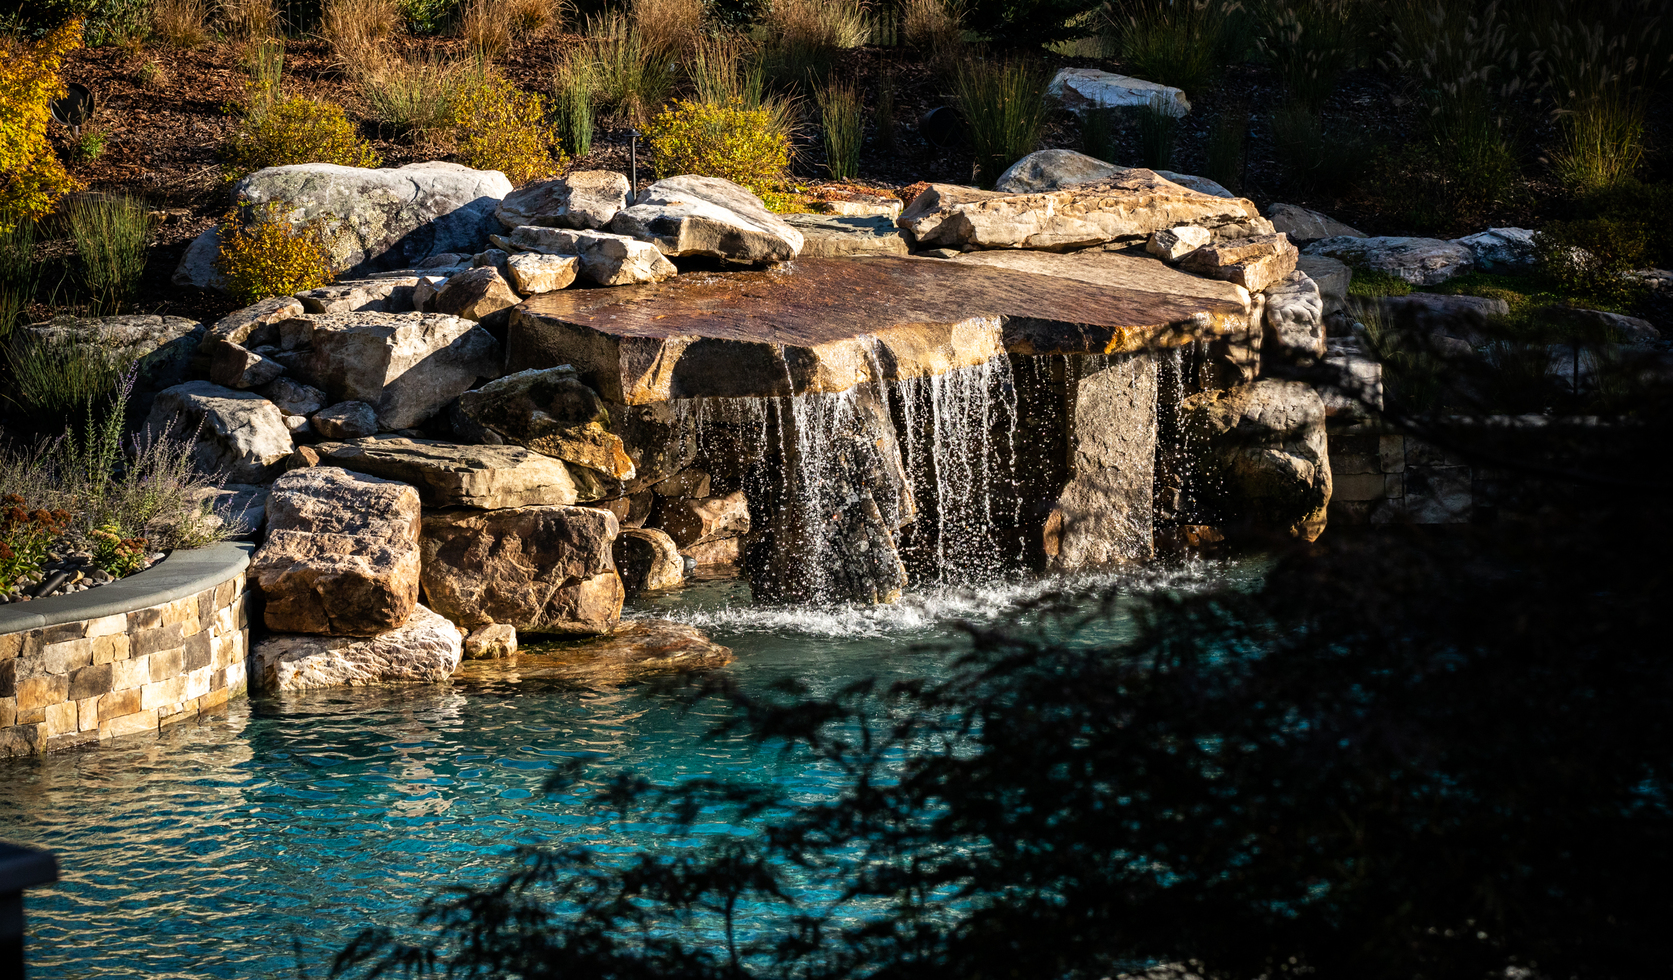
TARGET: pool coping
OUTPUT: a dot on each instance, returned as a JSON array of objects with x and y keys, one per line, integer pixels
[{"x": 182, "y": 573}]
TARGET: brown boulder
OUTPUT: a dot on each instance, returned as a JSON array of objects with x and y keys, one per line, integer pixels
[
  {"x": 449, "y": 475},
  {"x": 540, "y": 569},
  {"x": 1260, "y": 460},
  {"x": 647, "y": 559},
  {"x": 481, "y": 294},
  {"x": 1253, "y": 263},
  {"x": 690, "y": 521},
  {"x": 341, "y": 555}
]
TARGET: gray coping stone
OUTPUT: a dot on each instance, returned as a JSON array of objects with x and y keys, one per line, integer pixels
[
  {"x": 25, "y": 867},
  {"x": 181, "y": 574}
]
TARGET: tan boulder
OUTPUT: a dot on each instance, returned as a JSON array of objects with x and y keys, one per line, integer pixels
[
  {"x": 495, "y": 641},
  {"x": 690, "y": 215},
  {"x": 422, "y": 649},
  {"x": 405, "y": 365},
  {"x": 1126, "y": 207},
  {"x": 534, "y": 272},
  {"x": 690, "y": 521},
  {"x": 540, "y": 569},
  {"x": 647, "y": 559},
  {"x": 341, "y": 555},
  {"x": 1260, "y": 459},
  {"x": 606, "y": 258},
  {"x": 1253, "y": 263},
  {"x": 551, "y": 412},
  {"x": 480, "y": 294},
  {"x": 578, "y": 199},
  {"x": 1173, "y": 244},
  {"x": 451, "y": 475}
]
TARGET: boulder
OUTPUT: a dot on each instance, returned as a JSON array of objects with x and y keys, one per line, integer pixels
[
  {"x": 1331, "y": 276},
  {"x": 233, "y": 366},
  {"x": 293, "y": 397},
  {"x": 496, "y": 641},
  {"x": 1201, "y": 185},
  {"x": 255, "y": 325},
  {"x": 633, "y": 650},
  {"x": 1303, "y": 225},
  {"x": 1259, "y": 457},
  {"x": 1173, "y": 244},
  {"x": 720, "y": 551},
  {"x": 425, "y": 290},
  {"x": 647, "y": 559},
  {"x": 450, "y": 475},
  {"x": 1601, "y": 326},
  {"x": 580, "y": 199},
  {"x": 493, "y": 258},
  {"x": 389, "y": 294},
  {"x": 550, "y": 411},
  {"x": 159, "y": 348},
  {"x": 197, "y": 264},
  {"x": 1419, "y": 261},
  {"x": 1252, "y": 263},
  {"x": 341, "y": 555},
  {"x": 533, "y": 272},
  {"x": 708, "y": 217},
  {"x": 407, "y": 366},
  {"x": 1080, "y": 89},
  {"x": 1426, "y": 316},
  {"x": 374, "y": 220},
  {"x": 689, "y": 521},
  {"x": 1124, "y": 208},
  {"x": 846, "y": 237},
  {"x": 1501, "y": 249},
  {"x": 241, "y": 508},
  {"x": 424, "y": 649},
  {"x": 445, "y": 260},
  {"x": 1354, "y": 386},
  {"x": 540, "y": 569},
  {"x": 606, "y": 258},
  {"x": 346, "y": 420},
  {"x": 235, "y": 434},
  {"x": 686, "y": 483},
  {"x": 1294, "y": 319},
  {"x": 1052, "y": 170},
  {"x": 480, "y": 294}
]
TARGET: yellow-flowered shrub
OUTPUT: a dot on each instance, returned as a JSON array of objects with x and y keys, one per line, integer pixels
[
  {"x": 33, "y": 178},
  {"x": 268, "y": 256},
  {"x": 500, "y": 127},
  {"x": 296, "y": 130},
  {"x": 721, "y": 139}
]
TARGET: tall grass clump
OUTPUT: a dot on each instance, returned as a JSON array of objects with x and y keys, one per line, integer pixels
[
  {"x": 1601, "y": 64},
  {"x": 1465, "y": 70},
  {"x": 729, "y": 70},
  {"x": 632, "y": 80},
  {"x": 413, "y": 96},
  {"x": 20, "y": 274},
  {"x": 842, "y": 117},
  {"x": 804, "y": 37},
  {"x": 1003, "y": 102},
  {"x": 668, "y": 28},
  {"x": 180, "y": 23},
  {"x": 111, "y": 236},
  {"x": 935, "y": 28},
  {"x": 358, "y": 31},
  {"x": 1158, "y": 132},
  {"x": 56, "y": 376},
  {"x": 485, "y": 29},
  {"x": 249, "y": 20},
  {"x": 574, "y": 87},
  {"x": 1311, "y": 43},
  {"x": 1173, "y": 42}
]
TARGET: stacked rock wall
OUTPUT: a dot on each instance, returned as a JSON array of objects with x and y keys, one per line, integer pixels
[{"x": 124, "y": 671}]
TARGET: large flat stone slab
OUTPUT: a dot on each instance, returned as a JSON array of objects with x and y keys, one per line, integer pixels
[
  {"x": 451, "y": 475},
  {"x": 826, "y": 325}
]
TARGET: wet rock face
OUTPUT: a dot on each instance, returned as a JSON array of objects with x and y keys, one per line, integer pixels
[
  {"x": 1126, "y": 208},
  {"x": 341, "y": 555},
  {"x": 236, "y": 433},
  {"x": 450, "y": 475},
  {"x": 638, "y": 649},
  {"x": 407, "y": 366},
  {"x": 711, "y": 218},
  {"x": 647, "y": 560},
  {"x": 423, "y": 649},
  {"x": 1262, "y": 465},
  {"x": 1103, "y": 515},
  {"x": 539, "y": 569}
]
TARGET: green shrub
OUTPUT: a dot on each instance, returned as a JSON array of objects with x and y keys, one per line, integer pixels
[
  {"x": 1602, "y": 141},
  {"x": 1173, "y": 42},
  {"x": 1158, "y": 131},
  {"x": 266, "y": 256},
  {"x": 500, "y": 127},
  {"x": 843, "y": 122},
  {"x": 1003, "y": 104},
  {"x": 111, "y": 236},
  {"x": 296, "y": 130},
  {"x": 728, "y": 140},
  {"x": 1588, "y": 257}
]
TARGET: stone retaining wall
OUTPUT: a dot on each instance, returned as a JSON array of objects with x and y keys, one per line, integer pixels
[{"x": 130, "y": 657}]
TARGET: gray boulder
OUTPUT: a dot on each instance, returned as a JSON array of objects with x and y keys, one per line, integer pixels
[
  {"x": 233, "y": 366},
  {"x": 1294, "y": 319},
  {"x": 847, "y": 237},
  {"x": 389, "y": 294},
  {"x": 239, "y": 435},
  {"x": 708, "y": 217},
  {"x": 159, "y": 348},
  {"x": 346, "y": 420},
  {"x": 255, "y": 325},
  {"x": 1051, "y": 170},
  {"x": 1260, "y": 458},
  {"x": 1433, "y": 315},
  {"x": 424, "y": 649},
  {"x": 1501, "y": 249},
  {"x": 1419, "y": 261},
  {"x": 293, "y": 397},
  {"x": 372, "y": 220},
  {"x": 606, "y": 258},
  {"x": 1303, "y": 225},
  {"x": 582, "y": 199},
  {"x": 407, "y": 366},
  {"x": 1080, "y": 89},
  {"x": 1332, "y": 276},
  {"x": 480, "y": 295},
  {"x": 1201, "y": 185}
]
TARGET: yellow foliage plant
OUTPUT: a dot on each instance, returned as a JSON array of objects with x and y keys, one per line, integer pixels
[
  {"x": 31, "y": 177},
  {"x": 721, "y": 139},
  {"x": 296, "y": 130},
  {"x": 268, "y": 256},
  {"x": 500, "y": 127}
]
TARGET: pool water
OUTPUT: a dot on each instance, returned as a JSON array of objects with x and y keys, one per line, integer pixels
[{"x": 247, "y": 841}]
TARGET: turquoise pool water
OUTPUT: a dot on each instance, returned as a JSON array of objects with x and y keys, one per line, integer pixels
[{"x": 231, "y": 846}]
